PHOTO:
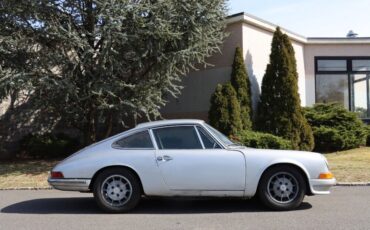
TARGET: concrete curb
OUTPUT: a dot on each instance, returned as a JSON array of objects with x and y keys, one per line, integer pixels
[
  {"x": 341, "y": 184},
  {"x": 349, "y": 184},
  {"x": 27, "y": 188}
]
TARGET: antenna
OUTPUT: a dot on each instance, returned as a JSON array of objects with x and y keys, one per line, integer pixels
[{"x": 351, "y": 34}]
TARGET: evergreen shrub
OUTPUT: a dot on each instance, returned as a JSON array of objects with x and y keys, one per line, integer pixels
[
  {"x": 335, "y": 128},
  {"x": 48, "y": 146},
  {"x": 262, "y": 140}
]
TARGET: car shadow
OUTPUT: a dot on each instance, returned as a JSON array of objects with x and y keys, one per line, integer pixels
[{"x": 86, "y": 205}]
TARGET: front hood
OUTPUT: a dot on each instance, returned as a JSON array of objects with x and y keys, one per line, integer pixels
[
  {"x": 272, "y": 154},
  {"x": 279, "y": 152},
  {"x": 257, "y": 160}
]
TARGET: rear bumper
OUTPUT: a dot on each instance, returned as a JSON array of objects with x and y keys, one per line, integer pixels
[
  {"x": 321, "y": 186},
  {"x": 70, "y": 184}
]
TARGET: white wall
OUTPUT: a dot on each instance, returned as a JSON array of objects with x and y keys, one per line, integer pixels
[
  {"x": 257, "y": 48},
  {"x": 194, "y": 101}
]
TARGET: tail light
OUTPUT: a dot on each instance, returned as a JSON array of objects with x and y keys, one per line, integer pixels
[{"x": 57, "y": 175}]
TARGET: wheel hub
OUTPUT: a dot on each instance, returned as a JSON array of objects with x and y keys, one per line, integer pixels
[{"x": 283, "y": 188}]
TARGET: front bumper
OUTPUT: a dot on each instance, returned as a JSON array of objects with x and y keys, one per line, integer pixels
[
  {"x": 321, "y": 186},
  {"x": 70, "y": 184}
]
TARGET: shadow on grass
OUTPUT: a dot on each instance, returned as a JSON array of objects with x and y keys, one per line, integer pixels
[
  {"x": 86, "y": 205},
  {"x": 32, "y": 167}
]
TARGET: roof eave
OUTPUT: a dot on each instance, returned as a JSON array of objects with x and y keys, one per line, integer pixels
[
  {"x": 262, "y": 24},
  {"x": 334, "y": 41},
  {"x": 270, "y": 27}
]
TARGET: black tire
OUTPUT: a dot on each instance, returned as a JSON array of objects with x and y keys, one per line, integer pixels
[
  {"x": 101, "y": 195},
  {"x": 269, "y": 184}
]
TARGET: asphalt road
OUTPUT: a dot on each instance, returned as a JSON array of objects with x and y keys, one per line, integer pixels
[{"x": 345, "y": 208}]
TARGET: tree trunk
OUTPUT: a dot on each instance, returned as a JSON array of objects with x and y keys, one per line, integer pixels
[
  {"x": 89, "y": 132},
  {"x": 13, "y": 98},
  {"x": 109, "y": 126}
]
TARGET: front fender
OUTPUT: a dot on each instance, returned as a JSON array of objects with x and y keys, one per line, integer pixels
[{"x": 255, "y": 172}]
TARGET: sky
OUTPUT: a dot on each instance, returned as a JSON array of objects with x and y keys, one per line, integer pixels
[{"x": 311, "y": 18}]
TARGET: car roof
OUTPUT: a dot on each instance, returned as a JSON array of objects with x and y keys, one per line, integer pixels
[{"x": 153, "y": 124}]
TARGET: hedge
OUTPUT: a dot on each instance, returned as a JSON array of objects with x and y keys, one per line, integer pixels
[
  {"x": 335, "y": 128},
  {"x": 262, "y": 140},
  {"x": 48, "y": 145}
]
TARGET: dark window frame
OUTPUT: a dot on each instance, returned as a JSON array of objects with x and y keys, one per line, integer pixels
[{"x": 349, "y": 72}]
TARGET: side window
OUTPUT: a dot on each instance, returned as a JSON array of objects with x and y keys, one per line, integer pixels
[
  {"x": 181, "y": 137},
  {"x": 139, "y": 140},
  {"x": 208, "y": 141}
]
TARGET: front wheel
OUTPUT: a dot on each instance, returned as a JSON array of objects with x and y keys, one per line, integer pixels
[
  {"x": 117, "y": 190},
  {"x": 282, "y": 188}
]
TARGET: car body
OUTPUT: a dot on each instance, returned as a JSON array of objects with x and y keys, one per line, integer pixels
[{"x": 188, "y": 158}]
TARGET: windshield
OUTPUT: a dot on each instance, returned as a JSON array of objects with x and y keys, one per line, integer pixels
[{"x": 219, "y": 135}]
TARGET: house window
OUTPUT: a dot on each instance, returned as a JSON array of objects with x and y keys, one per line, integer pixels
[
  {"x": 331, "y": 65},
  {"x": 360, "y": 94},
  {"x": 332, "y": 88},
  {"x": 361, "y": 65},
  {"x": 344, "y": 80}
]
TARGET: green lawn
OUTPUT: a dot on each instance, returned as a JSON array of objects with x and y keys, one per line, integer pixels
[
  {"x": 351, "y": 165},
  {"x": 347, "y": 166},
  {"x": 19, "y": 174}
]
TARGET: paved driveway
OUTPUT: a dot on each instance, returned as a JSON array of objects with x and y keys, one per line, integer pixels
[{"x": 345, "y": 208}]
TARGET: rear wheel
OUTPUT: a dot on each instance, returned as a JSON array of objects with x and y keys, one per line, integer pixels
[
  {"x": 282, "y": 188},
  {"x": 117, "y": 190}
]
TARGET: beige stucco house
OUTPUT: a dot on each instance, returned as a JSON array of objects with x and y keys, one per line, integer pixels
[{"x": 330, "y": 69}]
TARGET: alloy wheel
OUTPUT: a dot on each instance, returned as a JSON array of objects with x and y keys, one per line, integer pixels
[
  {"x": 283, "y": 187},
  {"x": 116, "y": 190}
]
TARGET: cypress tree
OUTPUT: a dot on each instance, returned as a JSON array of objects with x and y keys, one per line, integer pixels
[
  {"x": 235, "y": 124},
  {"x": 224, "y": 113},
  {"x": 241, "y": 84},
  {"x": 279, "y": 110},
  {"x": 218, "y": 114}
]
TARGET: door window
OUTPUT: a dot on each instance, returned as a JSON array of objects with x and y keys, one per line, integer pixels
[{"x": 181, "y": 137}]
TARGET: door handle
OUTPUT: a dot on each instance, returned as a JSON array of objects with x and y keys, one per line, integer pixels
[
  {"x": 164, "y": 158},
  {"x": 167, "y": 158}
]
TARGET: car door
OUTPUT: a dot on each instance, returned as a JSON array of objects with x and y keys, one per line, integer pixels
[{"x": 187, "y": 162}]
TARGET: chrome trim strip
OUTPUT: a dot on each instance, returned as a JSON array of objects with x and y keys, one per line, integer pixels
[
  {"x": 70, "y": 184},
  {"x": 199, "y": 137}
]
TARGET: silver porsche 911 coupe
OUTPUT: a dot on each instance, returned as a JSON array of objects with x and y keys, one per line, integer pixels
[{"x": 189, "y": 158}]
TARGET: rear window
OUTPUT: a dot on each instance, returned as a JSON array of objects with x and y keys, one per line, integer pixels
[{"x": 139, "y": 140}]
